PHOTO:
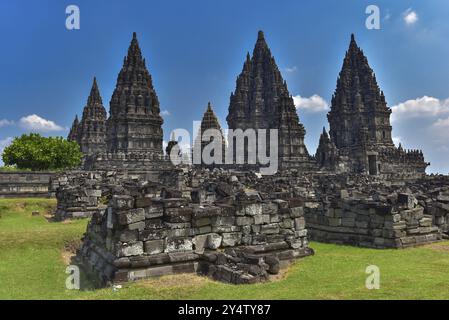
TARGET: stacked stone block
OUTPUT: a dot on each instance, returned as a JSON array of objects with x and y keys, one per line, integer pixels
[
  {"x": 78, "y": 195},
  {"x": 141, "y": 236},
  {"x": 400, "y": 223}
]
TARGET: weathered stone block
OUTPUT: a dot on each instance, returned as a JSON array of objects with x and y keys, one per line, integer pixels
[
  {"x": 214, "y": 241},
  {"x": 334, "y": 222},
  {"x": 154, "y": 246},
  {"x": 425, "y": 222},
  {"x": 243, "y": 221},
  {"x": 286, "y": 223},
  {"x": 93, "y": 193},
  {"x": 296, "y": 212},
  {"x": 261, "y": 219},
  {"x": 178, "y": 244},
  {"x": 185, "y": 232},
  {"x": 131, "y": 216},
  {"x": 269, "y": 208},
  {"x": 202, "y": 222},
  {"x": 128, "y": 236},
  {"x": 223, "y": 221},
  {"x": 154, "y": 211},
  {"x": 231, "y": 239},
  {"x": 136, "y": 226},
  {"x": 301, "y": 233},
  {"x": 269, "y": 228},
  {"x": 122, "y": 202},
  {"x": 200, "y": 242},
  {"x": 253, "y": 209},
  {"x": 203, "y": 229},
  {"x": 128, "y": 250},
  {"x": 152, "y": 234},
  {"x": 174, "y": 202},
  {"x": 348, "y": 222}
]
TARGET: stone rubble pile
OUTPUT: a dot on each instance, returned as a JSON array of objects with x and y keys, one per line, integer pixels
[
  {"x": 239, "y": 266},
  {"x": 363, "y": 211},
  {"x": 140, "y": 235},
  {"x": 231, "y": 225}
]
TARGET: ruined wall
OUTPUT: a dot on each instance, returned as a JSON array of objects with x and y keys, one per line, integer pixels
[
  {"x": 141, "y": 236},
  {"x": 134, "y": 161},
  {"x": 24, "y": 184},
  {"x": 80, "y": 194},
  {"x": 367, "y": 211},
  {"x": 369, "y": 223}
]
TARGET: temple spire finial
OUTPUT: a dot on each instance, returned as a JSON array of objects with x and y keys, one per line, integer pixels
[{"x": 94, "y": 96}]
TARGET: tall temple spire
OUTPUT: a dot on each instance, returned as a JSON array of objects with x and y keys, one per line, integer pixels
[
  {"x": 359, "y": 113},
  {"x": 73, "y": 134},
  {"x": 261, "y": 101},
  {"x": 92, "y": 127},
  {"x": 135, "y": 123},
  {"x": 209, "y": 121},
  {"x": 94, "y": 96}
]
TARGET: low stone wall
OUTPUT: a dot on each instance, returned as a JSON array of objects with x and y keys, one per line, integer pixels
[
  {"x": 369, "y": 223},
  {"x": 80, "y": 194},
  {"x": 24, "y": 184},
  {"x": 239, "y": 241}
]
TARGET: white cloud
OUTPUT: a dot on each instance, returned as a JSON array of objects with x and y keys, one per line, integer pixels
[
  {"x": 420, "y": 107},
  {"x": 6, "y": 122},
  {"x": 3, "y": 144},
  {"x": 423, "y": 123},
  {"x": 442, "y": 124},
  {"x": 165, "y": 113},
  {"x": 313, "y": 104},
  {"x": 35, "y": 123},
  {"x": 410, "y": 17},
  {"x": 291, "y": 70},
  {"x": 397, "y": 140}
]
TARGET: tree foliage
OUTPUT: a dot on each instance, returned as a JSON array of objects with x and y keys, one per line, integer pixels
[{"x": 38, "y": 153}]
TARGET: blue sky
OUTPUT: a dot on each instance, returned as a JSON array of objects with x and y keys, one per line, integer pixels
[{"x": 195, "y": 50}]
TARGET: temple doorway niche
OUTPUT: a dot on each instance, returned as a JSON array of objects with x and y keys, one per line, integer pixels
[{"x": 372, "y": 165}]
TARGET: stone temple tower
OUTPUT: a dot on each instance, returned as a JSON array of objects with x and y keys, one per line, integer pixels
[
  {"x": 209, "y": 121},
  {"x": 134, "y": 125},
  {"x": 262, "y": 101},
  {"x": 73, "y": 133},
  {"x": 92, "y": 128},
  {"x": 359, "y": 122},
  {"x": 359, "y": 113}
]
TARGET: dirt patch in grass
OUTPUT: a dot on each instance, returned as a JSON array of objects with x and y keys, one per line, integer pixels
[
  {"x": 19, "y": 206},
  {"x": 176, "y": 281},
  {"x": 438, "y": 247},
  {"x": 195, "y": 280},
  {"x": 70, "y": 249},
  {"x": 283, "y": 273}
]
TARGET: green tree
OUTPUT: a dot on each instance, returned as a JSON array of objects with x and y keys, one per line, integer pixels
[{"x": 35, "y": 152}]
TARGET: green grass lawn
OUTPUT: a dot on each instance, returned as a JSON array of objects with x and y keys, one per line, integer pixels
[{"x": 33, "y": 259}]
